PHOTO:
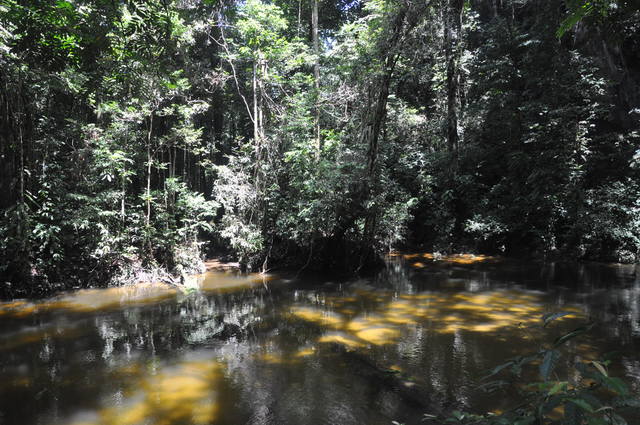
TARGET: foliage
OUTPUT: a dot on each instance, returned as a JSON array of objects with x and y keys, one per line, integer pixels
[
  {"x": 133, "y": 133},
  {"x": 85, "y": 87},
  {"x": 537, "y": 141}
]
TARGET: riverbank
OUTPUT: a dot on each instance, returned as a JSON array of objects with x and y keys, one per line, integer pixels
[{"x": 188, "y": 281}]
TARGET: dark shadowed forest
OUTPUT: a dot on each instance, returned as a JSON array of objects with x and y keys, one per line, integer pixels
[{"x": 144, "y": 136}]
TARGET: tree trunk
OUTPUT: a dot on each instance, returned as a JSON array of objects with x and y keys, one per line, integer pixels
[
  {"x": 453, "y": 53},
  {"x": 147, "y": 218},
  {"x": 374, "y": 117},
  {"x": 452, "y": 39},
  {"x": 256, "y": 134},
  {"x": 299, "y": 16},
  {"x": 316, "y": 75},
  {"x": 122, "y": 201},
  {"x": 21, "y": 165}
]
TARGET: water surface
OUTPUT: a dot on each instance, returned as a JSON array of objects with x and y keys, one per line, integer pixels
[{"x": 251, "y": 349}]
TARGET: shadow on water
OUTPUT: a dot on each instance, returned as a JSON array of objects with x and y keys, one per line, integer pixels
[{"x": 271, "y": 350}]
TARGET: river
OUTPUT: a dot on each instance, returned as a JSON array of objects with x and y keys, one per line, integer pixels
[{"x": 252, "y": 349}]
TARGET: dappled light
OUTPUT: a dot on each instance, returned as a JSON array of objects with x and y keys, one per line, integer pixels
[
  {"x": 230, "y": 281},
  {"x": 17, "y": 309},
  {"x": 422, "y": 260},
  {"x": 379, "y": 335},
  {"x": 478, "y": 312},
  {"x": 183, "y": 393},
  {"x": 87, "y": 300},
  {"x": 321, "y": 317},
  {"x": 97, "y": 299},
  {"x": 387, "y": 317},
  {"x": 218, "y": 265},
  {"x": 342, "y": 338},
  {"x": 30, "y": 335},
  {"x": 305, "y": 352}
]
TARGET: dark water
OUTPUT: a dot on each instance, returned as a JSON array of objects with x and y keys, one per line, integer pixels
[{"x": 248, "y": 350}]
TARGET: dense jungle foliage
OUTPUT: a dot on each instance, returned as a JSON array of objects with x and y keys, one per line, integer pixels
[{"x": 140, "y": 135}]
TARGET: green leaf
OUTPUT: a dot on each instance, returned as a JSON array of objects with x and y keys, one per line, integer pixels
[
  {"x": 600, "y": 368},
  {"x": 497, "y": 369},
  {"x": 582, "y": 404},
  {"x": 557, "y": 387},
  {"x": 574, "y": 333},
  {"x": 616, "y": 384},
  {"x": 60, "y": 4},
  {"x": 550, "y": 317},
  {"x": 572, "y": 20},
  {"x": 492, "y": 385},
  {"x": 548, "y": 363}
]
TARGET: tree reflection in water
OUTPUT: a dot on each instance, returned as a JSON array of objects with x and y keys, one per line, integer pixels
[{"x": 244, "y": 349}]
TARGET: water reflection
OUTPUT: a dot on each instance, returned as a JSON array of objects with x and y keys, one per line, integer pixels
[{"x": 263, "y": 350}]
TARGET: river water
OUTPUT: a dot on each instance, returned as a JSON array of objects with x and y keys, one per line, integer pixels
[{"x": 251, "y": 349}]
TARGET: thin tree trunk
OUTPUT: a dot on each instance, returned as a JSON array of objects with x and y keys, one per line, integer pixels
[
  {"x": 316, "y": 75},
  {"x": 256, "y": 134},
  {"x": 21, "y": 165},
  {"x": 122, "y": 201},
  {"x": 260, "y": 103},
  {"x": 184, "y": 165},
  {"x": 452, "y": 39},
  {"x": 147, "y": 218},
  {"x": 299, "y": 16}
]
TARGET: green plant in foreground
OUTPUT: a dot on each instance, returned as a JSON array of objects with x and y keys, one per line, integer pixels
[{"x": 585, "y": 394}]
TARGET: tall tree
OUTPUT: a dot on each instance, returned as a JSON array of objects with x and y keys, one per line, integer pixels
[
  {"x": 453, "y": 52},
  {"x": 316, "y": 75}
]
